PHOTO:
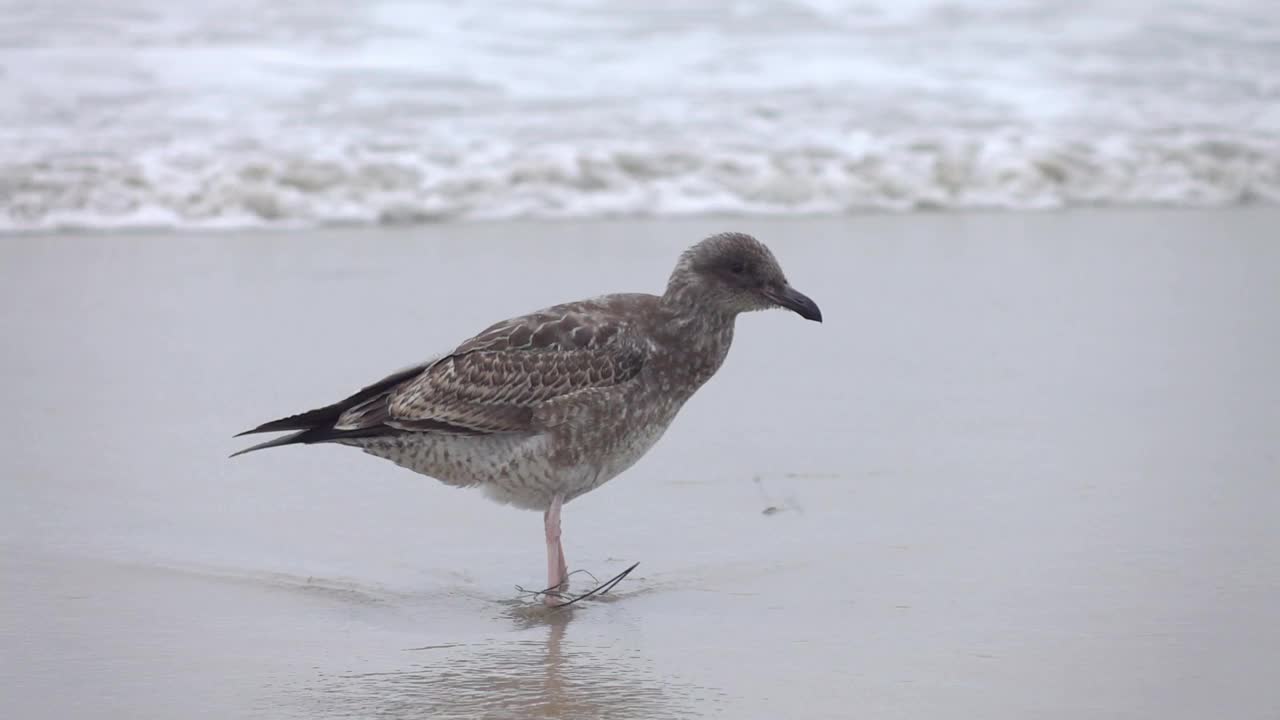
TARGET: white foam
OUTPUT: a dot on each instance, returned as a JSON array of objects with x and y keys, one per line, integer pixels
[
  {"x": 264, "y": 187},
  {"x": 242, "y": 113}
]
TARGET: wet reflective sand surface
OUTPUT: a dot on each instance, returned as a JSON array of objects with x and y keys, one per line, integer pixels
[
  {"x": 547, "y": 675},
  {"x": 1026, "y": 468}
]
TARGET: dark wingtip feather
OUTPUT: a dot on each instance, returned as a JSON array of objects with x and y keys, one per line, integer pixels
[
  {"x": 264, "y": 429},
  {"x": 328, "y": 415},
  {"x": 302, "y": 421}
]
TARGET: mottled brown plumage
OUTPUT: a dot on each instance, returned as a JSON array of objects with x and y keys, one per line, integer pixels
[{"x": 538, "y": 409}]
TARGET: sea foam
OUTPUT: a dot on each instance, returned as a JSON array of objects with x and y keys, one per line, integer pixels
[{"x": 141, "y": 113}]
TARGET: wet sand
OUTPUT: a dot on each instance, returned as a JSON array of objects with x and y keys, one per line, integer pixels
[{"x": 1027, "y": 468}]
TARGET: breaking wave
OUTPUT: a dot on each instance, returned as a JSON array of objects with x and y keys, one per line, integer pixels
[{"x": 247, "y": 184}]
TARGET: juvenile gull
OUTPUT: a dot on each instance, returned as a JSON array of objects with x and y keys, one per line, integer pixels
[{"x": 539, "y": 409}]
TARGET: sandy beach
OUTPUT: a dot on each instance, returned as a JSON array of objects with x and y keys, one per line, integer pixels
[{"x": 1027, "y": 468}]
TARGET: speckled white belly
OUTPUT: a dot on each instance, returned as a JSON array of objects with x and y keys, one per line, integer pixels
[
  {"x": 516, "y": 465},
  {"x": 514, "y": 469},
  {"x": 636, "y": 443}
]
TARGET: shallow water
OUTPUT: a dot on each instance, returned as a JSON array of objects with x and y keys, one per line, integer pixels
[{"x": 1026, "y": 468}]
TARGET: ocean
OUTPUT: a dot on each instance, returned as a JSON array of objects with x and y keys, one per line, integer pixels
[{"x": 249, "y": 113}]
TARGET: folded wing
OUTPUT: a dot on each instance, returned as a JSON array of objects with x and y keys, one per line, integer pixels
[{"x": 497, "y": 381}]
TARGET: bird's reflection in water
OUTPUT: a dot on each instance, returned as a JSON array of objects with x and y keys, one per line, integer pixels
[{"x": 548, "y": 677}]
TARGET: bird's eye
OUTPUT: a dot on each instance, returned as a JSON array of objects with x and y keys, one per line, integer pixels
[{"x": 738, "y": 268}]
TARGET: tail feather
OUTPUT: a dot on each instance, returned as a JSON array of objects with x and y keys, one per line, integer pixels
[
  {"x": 310, "y": 436},
  {"x": 286, "y": 440}
]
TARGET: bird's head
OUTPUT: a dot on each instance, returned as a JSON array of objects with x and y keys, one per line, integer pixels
[{"x": 733, "y": 273}]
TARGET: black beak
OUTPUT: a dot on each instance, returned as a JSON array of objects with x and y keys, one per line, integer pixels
[{"x": 796, "y": 301}]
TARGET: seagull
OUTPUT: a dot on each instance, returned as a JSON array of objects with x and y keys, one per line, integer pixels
[{"x": 542, "y": 408}]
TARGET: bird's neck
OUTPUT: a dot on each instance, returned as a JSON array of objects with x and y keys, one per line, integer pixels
[
  {"x": 687, "y": 300},
  {"x": 696, "y": 330},
  {"x": 684, "y": 309},
  {"x": 695, "y": 340}
]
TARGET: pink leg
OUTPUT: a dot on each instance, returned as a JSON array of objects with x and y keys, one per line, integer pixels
[
  {"x": 555, "y": 555},
  {"x": 564, "y": 570}
]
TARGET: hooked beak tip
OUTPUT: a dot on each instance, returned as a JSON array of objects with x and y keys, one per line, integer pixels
[{"x": 799, "y": 303}]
